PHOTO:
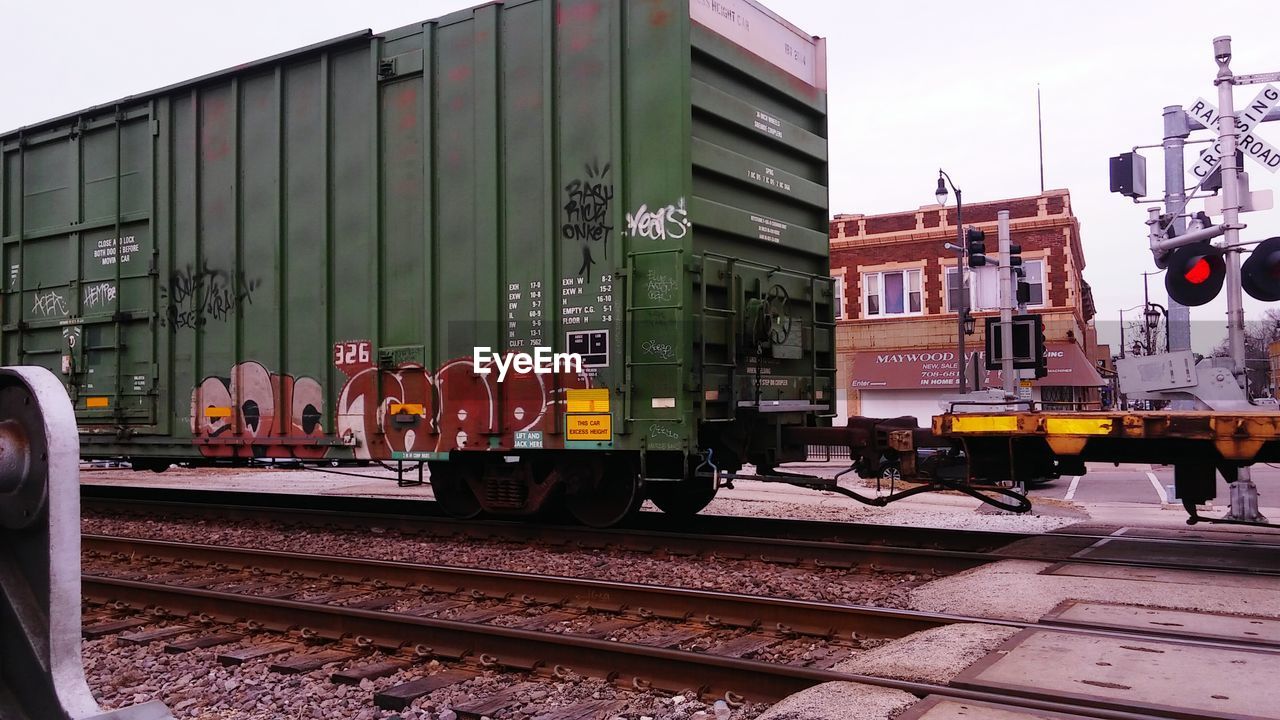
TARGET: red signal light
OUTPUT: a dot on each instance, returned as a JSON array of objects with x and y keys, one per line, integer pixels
[
  {"x": 1198, "y": 273},
  {"x": 1195, "y": 274}
]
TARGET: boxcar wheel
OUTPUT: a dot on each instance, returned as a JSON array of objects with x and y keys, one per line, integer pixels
[
  {"x": 602, "y": 494},
  {"x": 683, "y": 499},
  {"x": 452, "y": 491}
]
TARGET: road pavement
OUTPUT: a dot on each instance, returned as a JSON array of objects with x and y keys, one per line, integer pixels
[{"x": 1140, "y": 483}]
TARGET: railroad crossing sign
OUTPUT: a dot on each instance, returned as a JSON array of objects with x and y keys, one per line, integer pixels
[{"x": 1247, "y": 140}]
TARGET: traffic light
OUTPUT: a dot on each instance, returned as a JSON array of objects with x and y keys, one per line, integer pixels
[
  {"x": 976, "y": 247},
  {"x": 1024, "y": 292},
  {"x": 1195, "y": 274},
  {"x": 1042, "y": 355},
  {"x": 1015, "y": 255},
  {"x": 1260, "y": 273},
  {"x": 1129, "y": 175}
]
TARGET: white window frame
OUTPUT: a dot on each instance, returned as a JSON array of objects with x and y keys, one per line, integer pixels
[
  {"x": 1043, "y": 293},
  {"x": 950, "y": 270},
  {"x": 839, "y": 297},
  {"x": 877, "y": 278}
]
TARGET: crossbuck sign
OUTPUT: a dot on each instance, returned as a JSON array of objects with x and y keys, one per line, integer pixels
[{"x": 1247, "y": 139}]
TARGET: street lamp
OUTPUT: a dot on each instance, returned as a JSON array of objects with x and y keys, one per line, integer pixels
[
  {"x": 964, "y": 323},
  {"x": 1152, "y": 313},
  {"x": 1153, "y": 316},
  {"x": 970, "y": 323},
  {"x": 1122, "y": 312}
]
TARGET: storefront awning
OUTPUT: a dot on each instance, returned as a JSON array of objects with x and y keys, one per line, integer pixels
[{"x": 936, "y": 368}]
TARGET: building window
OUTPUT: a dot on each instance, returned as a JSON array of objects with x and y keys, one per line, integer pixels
[
  {"x": 984, "y": 286},
  {"x": 886, "y": 294},
  {"x": 1035, "y": 278},
  {"x": 953, "y": 290},
  {"x": 839, "y": 299}
]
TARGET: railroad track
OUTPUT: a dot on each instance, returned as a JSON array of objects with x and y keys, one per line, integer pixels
[
  {"x": 642, "y": 636},
  {"x": 786, "y": 542}
]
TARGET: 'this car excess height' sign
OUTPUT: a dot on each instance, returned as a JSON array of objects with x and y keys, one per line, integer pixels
[{"x": 1247, "y": 139}]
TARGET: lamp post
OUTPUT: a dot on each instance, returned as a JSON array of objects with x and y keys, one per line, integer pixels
[
  {"x": 1122, "y": 312},
  {"x": 962, "y": 312},
  {"x": 1152, "y": 315}
]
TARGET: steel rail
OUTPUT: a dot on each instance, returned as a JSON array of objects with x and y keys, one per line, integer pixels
[
  {"x": 779, "y": 528},
  {"x": 525, "y": 650},
  {"x": 801, "y": 617},
  {"x": 832, "y": 553}
]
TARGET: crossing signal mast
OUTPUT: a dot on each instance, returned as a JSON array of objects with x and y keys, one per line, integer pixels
[{"x": 1197, "y": 267}]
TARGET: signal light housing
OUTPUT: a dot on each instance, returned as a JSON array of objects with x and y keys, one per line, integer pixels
[
  {"x": 975, "y": 247},
  {"x": 1023, "y": 292},
  {"x": 1195, "y": 274},
  {"x": 1129, "y": 174},
  {"x": 1260, "y": 273},
  {"x": 1015, "y": 255}
]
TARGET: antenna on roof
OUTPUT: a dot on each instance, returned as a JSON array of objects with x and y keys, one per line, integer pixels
[{"x": 1040, "y": 134}]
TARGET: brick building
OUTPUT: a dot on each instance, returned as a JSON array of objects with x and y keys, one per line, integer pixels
[{"x": 896, "y": 334}]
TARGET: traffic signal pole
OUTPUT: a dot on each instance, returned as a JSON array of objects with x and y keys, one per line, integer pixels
[
  {"x": 1176, "y": 131},
  {"x": 1007, "y": 301},
  {"x": 1244, "y": 494},
  {"x": 1230, "y": 201}
]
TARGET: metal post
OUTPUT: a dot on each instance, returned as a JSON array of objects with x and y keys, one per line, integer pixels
[
  {"x": 1007, "y": 295},
  {"x": 41, "y": 674},
  {"x": 1230, "y": 200},
  {"x": 1244, "y": 494},
  {"x": 964, "y": 296},
  {"x": 1146, "y": 326},
  {"x": 1176, "y": 131}
]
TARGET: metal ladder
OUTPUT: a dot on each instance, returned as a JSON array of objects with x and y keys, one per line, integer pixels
[
  {"x": 814, "y": 367},
  {"x": 730, "y": 314},
  {"x": 633, "y": 285}
]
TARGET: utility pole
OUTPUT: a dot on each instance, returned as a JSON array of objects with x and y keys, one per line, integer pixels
[
  {"x": 1230, "y": 201},
  {"x": 963, "y": 311},
  {"x": 1007, "y": 293},
  {"x": 1176, "y": 131},
  {"x": 1244, "y": 494}
]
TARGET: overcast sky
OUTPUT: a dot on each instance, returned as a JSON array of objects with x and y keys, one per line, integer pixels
[{"x": 913, "y": 86}]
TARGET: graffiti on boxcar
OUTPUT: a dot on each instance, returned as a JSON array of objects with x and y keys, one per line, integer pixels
[
  {"x": 255, "y": 412},
  {"x": 194, "y": 297},
  {"x": 659, "y": 286},
  {"x": 660, "y": 350},
  {"x": 99, "y": 294},
  {"x": 587, "y": 213},
  {"x": 416, "y": 410},
  {"x": 664, "y": 223},
  {"x": 49, "y": 304}
]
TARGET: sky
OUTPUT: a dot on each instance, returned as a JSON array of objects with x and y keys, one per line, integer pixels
[{"x": 912, "y": 87}]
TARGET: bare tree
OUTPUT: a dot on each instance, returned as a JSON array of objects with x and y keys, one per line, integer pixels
[{"x": 1258, "y": 336}]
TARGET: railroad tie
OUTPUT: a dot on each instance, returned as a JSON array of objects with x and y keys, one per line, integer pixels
[
  {"x": 93, "y": 632},
  {"x": 371, "y": 671},
  {"x": 204, "y": 641},
  {"x": 494, "y": 704},
  {"x": 590, "y": 710},
  {"x": 299, "y": 664},
  {"x": 400, "y": 696},
  {"x": 245, "y": 654},
  {"x": 147, "y": 636}
]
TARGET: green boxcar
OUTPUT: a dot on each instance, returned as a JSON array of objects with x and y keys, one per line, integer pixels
[{"x": 299, "y": 257}]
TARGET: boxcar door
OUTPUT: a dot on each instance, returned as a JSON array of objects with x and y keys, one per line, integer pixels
[{"x": 80, "y": 291}]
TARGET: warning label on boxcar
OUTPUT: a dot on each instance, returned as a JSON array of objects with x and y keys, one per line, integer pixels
[
  {"x": 588, "y": 427},
  {"x": 528, "y": 439}
]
